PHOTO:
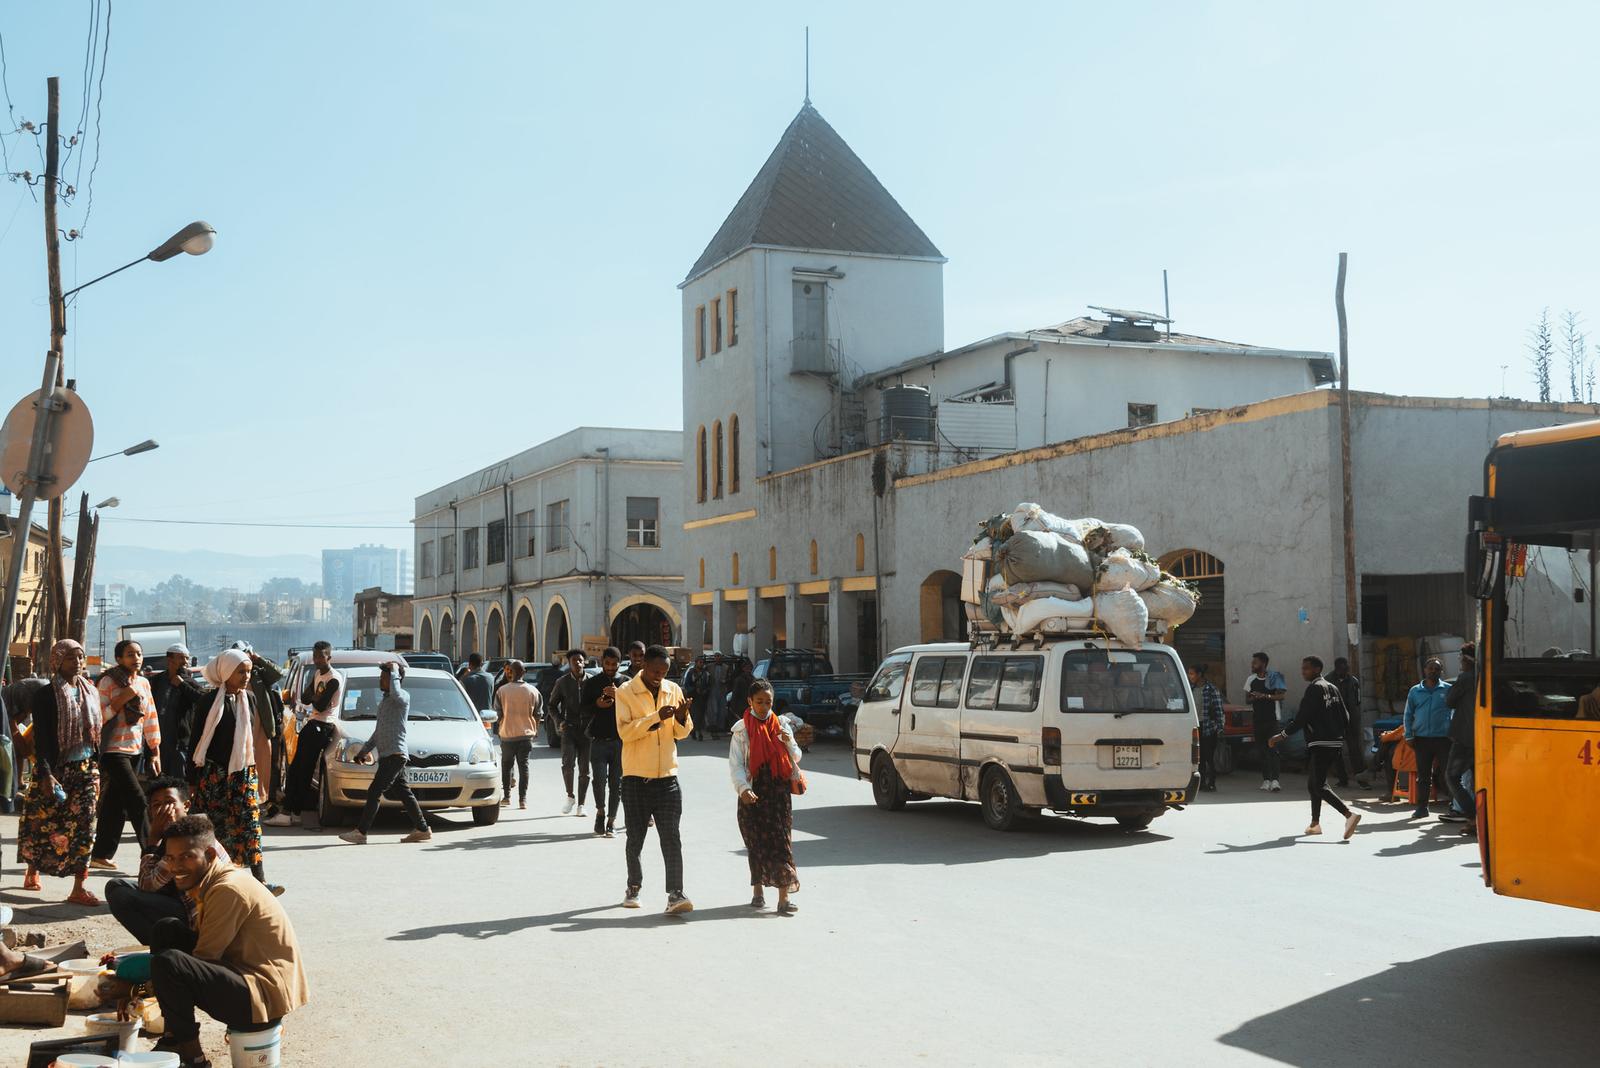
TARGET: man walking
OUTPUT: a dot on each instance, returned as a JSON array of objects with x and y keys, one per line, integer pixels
[
  {"x": 1212, "y": 722},
  {"x": 174, "y": 692},
  {"x": 128, "y": 728},
  {"x": 389, "y": 741},
  {"x": 1352, "y": 760},
  {"x": 635, "y": 660},
  {"x": 518, "y": 703},
  {"x": 651, "y": 717},
  {"x": 566, "y": 704},
  {"x": 1264, "y": 689},
  {"x": 478, "y": 683},
  {"x": 1427, "y": 724},
  {"x": 605, "y": 745},
  {"x": 321, "y": 700},
  {"x": 1462, "y": 698},
  {"x": 1323, "y": 717}
]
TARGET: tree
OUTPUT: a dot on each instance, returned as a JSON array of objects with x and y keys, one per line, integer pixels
[
  {"x": 1575, "y": 346},
  {"x": 1541, "y": 353}
]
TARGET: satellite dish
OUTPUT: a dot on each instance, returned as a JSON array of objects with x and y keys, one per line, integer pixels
[{"x": 66, "y": 452}]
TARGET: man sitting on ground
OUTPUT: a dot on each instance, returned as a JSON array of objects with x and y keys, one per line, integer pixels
[
  {"x": 241, "y": 966},
  {"x": 138, "y": 905}
]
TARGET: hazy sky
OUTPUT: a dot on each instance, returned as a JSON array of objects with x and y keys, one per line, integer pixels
[{"x": 449, "y": 231}]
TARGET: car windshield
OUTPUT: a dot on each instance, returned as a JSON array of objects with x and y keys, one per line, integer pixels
[
  {"x": 1120, "y": 681},
  {"x": 430, "y": 698}
]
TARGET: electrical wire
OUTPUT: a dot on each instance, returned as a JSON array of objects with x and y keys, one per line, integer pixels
[
  {"x": 99, "y": 102},
  {"x": 11, "y": 112}
]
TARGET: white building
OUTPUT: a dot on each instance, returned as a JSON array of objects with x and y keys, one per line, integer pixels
[{"x": 576, "y": 541}]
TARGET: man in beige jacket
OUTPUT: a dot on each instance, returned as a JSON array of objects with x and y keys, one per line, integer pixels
[{"x": 241, "y": 963}]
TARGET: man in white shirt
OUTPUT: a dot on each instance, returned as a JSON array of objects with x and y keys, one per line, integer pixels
[{"x": 319, "y": 703}]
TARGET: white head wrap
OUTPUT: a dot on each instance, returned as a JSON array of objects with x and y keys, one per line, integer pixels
[{"x": 218, "y": 672}]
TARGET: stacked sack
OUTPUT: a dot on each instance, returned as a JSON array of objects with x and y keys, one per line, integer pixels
[{"x": 1049, "y": 575}]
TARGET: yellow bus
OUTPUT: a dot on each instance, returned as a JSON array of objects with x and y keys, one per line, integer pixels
[{"x": 1531, "y": 562}]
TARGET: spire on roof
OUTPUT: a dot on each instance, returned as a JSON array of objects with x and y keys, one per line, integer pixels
[{"x": 814, "y": 192}]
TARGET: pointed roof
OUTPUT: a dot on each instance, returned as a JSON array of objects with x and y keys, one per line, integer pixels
[{"x": 813, "y": 192}]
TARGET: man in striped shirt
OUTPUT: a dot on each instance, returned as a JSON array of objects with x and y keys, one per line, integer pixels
[
  {"x": 1212, "y": 721},
  {"x": 130, "y": 725}
]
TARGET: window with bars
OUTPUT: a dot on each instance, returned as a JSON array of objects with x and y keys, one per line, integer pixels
[
  {"x": 469, "y": 549},
  {"x": 700, "y": 332},
  {"x": 733, "y": 317},
  {"x": 447, "y": 555},
  {"x": 644, "y": 515},
  {"x": 716, "y": 324},
  {"x": 495, "y": 553},
  {"x": 555, "y": 521},
  {"x": 526, "y": 531}
]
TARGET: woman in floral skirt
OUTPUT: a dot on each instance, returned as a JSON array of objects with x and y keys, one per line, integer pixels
[
  {"x": 57, "y": 829},
  {"x": 226, "y": 786},
  {"x": 764, "y": 762}
]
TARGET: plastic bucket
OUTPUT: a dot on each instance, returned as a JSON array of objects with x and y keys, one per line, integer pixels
[
  {"x": 106, "y": 1023},
  {"x": 84, "y": 1060},
  {"x": 148, "y": 1060},
  {"x": 255, "y": 1049}
]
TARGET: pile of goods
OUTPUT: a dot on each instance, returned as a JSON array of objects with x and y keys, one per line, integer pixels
[{"x": 1031, "y": 572}]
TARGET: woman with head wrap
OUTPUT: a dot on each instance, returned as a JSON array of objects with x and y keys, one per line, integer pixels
[
  {"x": 57, "y": 830},
  {"x": 226, "y": 786}
]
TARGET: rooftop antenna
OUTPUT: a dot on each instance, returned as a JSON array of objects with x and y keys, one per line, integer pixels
[
  {"x": 808, "y": 66},
  {"x": 1166, "y": 303}
]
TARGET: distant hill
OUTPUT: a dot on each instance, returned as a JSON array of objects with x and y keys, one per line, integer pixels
[{"x": 143, "y": 568}]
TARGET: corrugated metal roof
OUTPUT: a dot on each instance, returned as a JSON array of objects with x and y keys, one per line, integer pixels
[
  {"x": 814, "y": 192},
  {"x": 1084, "y": 326}
]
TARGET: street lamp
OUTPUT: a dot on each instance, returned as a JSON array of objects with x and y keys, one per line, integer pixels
[
  {"x": 196, "y": 239},
  {"x": 146, "y": 445},
  {"x": 109, "y": 502}
]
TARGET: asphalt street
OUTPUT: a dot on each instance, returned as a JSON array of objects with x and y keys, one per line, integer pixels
[{"x": 1217, "y": 937}]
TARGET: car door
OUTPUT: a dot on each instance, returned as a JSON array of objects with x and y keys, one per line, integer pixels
[
  {"x": 928, "y": 751},
  {"x": 1000, "y": 722},
  {"x": 877, "y": 723}
]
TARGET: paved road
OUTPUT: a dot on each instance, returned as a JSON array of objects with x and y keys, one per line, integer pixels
[{"x": 1217, "y": 937}]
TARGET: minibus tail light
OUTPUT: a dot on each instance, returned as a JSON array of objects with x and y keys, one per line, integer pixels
[
  {"x": 1194, "y": 747},
  {"x": 1052, "y": 746}
]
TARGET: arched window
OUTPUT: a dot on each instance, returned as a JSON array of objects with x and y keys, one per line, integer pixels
[
  {"x": 813, "y": 556},
  {"x": 733, "y": 454},
  {"x": 700, "y": 466},
  {"x": 861, "y": 552},
  {"x": 736, "y": 569},
  {"x": 772, "y": 563},
  {"x": 716, "y": 459},
  {"x": 702, "y": 572}
]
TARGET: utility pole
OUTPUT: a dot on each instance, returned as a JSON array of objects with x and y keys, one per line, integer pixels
[
  {"x": 60, "y": 600},
  {"x": 1351, "y": 579}
]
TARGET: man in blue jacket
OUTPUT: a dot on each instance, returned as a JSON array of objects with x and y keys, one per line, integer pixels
[{"x": 1427, "y": 725}]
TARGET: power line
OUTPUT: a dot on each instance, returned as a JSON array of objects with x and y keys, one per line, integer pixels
[
  {"x": 11, "y": 112},
  {"x": 99, "y": 101}
]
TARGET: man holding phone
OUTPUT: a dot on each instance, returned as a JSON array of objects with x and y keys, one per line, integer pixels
[
  {"x": 605, "y": 746},
  {"x": 651, "y": 716}
]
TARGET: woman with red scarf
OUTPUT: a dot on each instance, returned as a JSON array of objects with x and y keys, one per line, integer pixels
[
  {"x": 765, "y": 765},
  {"x": 57, "y": 830}
]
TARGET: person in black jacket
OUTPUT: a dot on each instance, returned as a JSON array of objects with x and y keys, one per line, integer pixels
[
  {"x": 1323, "y": 717},
  {"x": 1462, "y": 698},
  {"x": 599, "y": 706},
  {"x": 175, "y": 693}
]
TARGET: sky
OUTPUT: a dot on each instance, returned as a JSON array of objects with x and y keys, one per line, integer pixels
[{"x": 447, "y": 232}]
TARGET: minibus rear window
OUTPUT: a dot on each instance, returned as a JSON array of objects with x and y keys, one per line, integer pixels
[{"x": 1120, "y": 680}]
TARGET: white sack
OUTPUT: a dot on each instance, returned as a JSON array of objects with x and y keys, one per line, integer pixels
[
  {"x": 1170, "y": 602},
  {"x": 1027, "y": 591},
  {"x": 1033, "y": 517},
  {"x": 1124, "y": 614},
  {"x": 1050, "y": 614},
  {"x": 1108, "y": 536},
  {"x": 1122, "y": 571}
]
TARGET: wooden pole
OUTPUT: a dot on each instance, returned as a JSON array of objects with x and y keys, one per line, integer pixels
[
  {"x": 82, "y": 571},
  {"x": 60, "y": 604},
  {"x": 1351, "y": 579}
]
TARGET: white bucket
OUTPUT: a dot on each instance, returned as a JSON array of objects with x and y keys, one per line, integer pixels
[
  {"x": 106, "y": 1023},
  {"x": 85, "y": 1060},
  {"x": 255, "y": 1049},
  {"x": 148, "y": 1060}
]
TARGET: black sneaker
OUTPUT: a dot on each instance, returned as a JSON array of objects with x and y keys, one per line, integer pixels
[
  {"x": 630, "y": 900},
  {"x": 677, "y": 904},
  {"x": 1452, "y": 817}
]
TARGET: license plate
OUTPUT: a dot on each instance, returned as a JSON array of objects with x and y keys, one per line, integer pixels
[
  {"x": 1126, "y": 756},
  {"x": 417, "y": 776}
]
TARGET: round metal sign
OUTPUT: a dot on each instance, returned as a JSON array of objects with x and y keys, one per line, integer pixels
[{"x": 66, "y": 451}]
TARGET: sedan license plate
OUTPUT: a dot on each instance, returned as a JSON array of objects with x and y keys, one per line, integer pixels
[
  {"x": 419, "y": 776},
  {"x": 1126, "y": 756}
]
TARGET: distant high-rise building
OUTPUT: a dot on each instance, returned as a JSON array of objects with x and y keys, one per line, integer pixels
[
  {"x": 408, "y": 581},
  {"x": 346, "y": 572}
]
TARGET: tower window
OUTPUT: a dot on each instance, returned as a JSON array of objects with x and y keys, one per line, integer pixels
[
  {"x": 716, "y": 324},
  {"x": 700, "y": 332},
  {"x": 733, "y": 317}
]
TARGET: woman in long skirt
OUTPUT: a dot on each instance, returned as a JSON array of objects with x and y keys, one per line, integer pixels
[
  {"x": 57, "y": 829},
  {"x": 764, "y": 762},
  {"x": 227, "y": 787}
]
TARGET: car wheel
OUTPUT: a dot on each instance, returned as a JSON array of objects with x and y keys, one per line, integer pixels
[
  {"x": 1002, "y": 808},
  {"x": 486, "y": 815},
  {"x": 1134, "y": 823},
  {"x": 328, "y": 813},
  {"x": 1222, "y": 759},
  {"x": 887, "y": 789}
]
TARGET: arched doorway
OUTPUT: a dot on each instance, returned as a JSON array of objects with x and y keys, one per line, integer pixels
[
  {"x": 494, "y": 635},
  {"x": 941, "y": 607},
  {"x": 447, "y": 636},
  {"x": 1202, "y": 640},
  {"x": 641, "y": 622},
  {"x": 557, "y": 639},
  {"x": 469, "y": 634},
  {"x": 427, "y": 633},
  {"x": 522, "y": 636}
]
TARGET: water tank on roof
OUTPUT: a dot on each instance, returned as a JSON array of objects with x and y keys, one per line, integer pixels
[{"x": 906, "y": 414}]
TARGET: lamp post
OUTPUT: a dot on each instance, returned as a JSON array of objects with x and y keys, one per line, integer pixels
[
  {"x": 147, "y": 445},
  {"x": 196, "y": 239}
]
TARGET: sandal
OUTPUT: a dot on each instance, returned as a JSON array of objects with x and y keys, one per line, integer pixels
[
  {"x": 787, "y": 908},
  {"x": 30, "y": 965},
  {"x": 758, "y": 902},
  {"x": 31, "y": 882},
  {"x": 84, "y": 897}
]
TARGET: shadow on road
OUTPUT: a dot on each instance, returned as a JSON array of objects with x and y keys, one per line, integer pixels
[
  {"x": 1497, "y": 1003},
  {"x": 597, "y": 918},
  {"x": 941, "y": 832}
]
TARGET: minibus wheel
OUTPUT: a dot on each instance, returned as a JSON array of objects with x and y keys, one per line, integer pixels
[
  {"x": 1002, "y": 808},
  {"x": 1134, "y": 823},
  {"x": 887, "y": 789}
]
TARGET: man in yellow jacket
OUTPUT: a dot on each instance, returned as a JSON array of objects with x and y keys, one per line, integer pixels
[{"x": 651, "y": 716}]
